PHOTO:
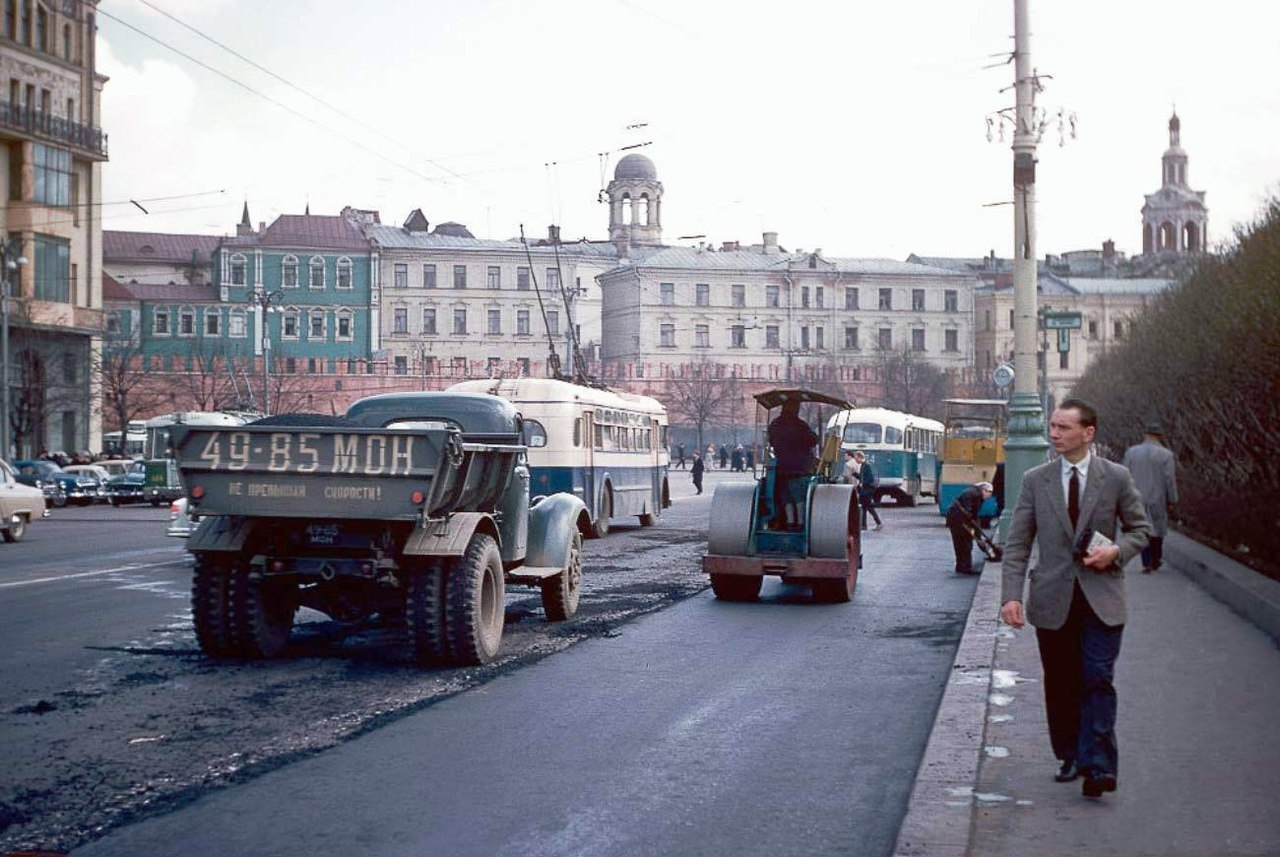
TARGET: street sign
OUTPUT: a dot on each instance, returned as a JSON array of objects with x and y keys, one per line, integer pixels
[
  {"x": 1062, "y": 321},
  {"x": 1064, "y": 339},
  {"x": 1002, "y": 375}
]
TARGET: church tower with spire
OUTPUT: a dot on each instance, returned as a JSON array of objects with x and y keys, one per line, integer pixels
[{"x": 1174, "y": 218}]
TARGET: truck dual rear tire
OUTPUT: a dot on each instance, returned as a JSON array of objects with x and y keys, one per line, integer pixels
[
  {"x": 424, "y": 614},
  {"x": 209, "y": 605},
  {"x": 236, "y": 616},
  {"x": 475, "y": 605}
]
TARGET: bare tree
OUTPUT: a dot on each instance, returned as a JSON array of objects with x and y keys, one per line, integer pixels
[
  {"x": 704, "y": 395},
  {"x": 912, "y": 384},
  {"x": 43, "y": 384},
  {"x": 129, "y": 391}
]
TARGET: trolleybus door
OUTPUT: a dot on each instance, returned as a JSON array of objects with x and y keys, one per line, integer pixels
[{"x": 590, "y": 488}]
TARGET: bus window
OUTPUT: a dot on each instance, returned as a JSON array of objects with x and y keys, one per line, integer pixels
[
  {"x": 892, "y": 436},
  {"x": 536, "y": 436},
  {"x": 577, "y": 432},
  {"x": 862, "y": 433}
]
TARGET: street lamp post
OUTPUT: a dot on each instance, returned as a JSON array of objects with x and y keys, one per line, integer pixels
[
  {"x": 267, "y": 302},
  {"x": 11, "y": 259}
]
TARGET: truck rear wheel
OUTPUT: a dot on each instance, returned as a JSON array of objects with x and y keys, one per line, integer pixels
[
  {"x": 261, "y": 613},
  {"x": 561, "y": 592},
  {"x": 209, "y": 605},
  {"x": 424, "y": 614},
  {"x": 736, "y": 587},
  {"x": 475, "y": 608}
]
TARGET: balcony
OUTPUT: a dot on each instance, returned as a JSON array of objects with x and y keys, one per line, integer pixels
[{"x": 53, "y": 129}]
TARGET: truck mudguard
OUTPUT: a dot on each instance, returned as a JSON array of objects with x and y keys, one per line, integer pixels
[
  {"x": 551, "y": 526},
  {"x": 449, "y": 537},
  {"x": 220, "y": 533}
]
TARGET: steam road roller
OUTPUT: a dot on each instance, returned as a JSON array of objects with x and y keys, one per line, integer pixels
[{"x": 796, "y": 518}]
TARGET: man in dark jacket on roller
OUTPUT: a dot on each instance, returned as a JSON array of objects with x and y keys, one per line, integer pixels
[{"x": 793, "y": 442}]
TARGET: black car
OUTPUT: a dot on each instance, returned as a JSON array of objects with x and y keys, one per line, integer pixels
[{"x": 46, "y": 476}]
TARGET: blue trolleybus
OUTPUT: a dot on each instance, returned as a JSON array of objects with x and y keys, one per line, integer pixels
[
  {"x": 903, "y": 449},
  {"x": 606, "y": 447}
]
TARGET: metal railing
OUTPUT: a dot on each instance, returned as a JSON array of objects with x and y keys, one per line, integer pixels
[{"x": 37, "y": 123}]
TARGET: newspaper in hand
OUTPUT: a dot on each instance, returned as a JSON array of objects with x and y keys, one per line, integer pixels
[{"x": 1098, "y": 540}]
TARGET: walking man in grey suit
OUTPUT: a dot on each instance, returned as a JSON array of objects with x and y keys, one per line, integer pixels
[
  {"x": 1076, "y": 594},
  {"x": 1152, "y": 467}
]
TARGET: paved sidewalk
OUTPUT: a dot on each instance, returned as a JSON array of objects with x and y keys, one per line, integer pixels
[{"x": 1199, "y": 697}]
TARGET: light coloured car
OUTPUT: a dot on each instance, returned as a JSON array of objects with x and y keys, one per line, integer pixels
[
  {"x": 181, "y": 523},
  {"x": 94, "y": 479},
  {"x": 19, "y": 505}
]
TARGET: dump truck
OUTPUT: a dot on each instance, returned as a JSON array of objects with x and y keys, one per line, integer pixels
[{"x": 413, "y": 506}]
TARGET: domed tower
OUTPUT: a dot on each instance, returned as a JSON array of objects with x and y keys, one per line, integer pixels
[
  {"x": 1174, "y": 218},
  {"x": 635, "y": 203}
]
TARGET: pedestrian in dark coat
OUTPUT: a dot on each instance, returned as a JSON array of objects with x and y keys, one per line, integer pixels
[
  {"x": 1152, "y": 466},
  {"x": 736, "y": 459},
  {"x": 696, "y": 472},
  {"x": 724, "y": 456},
  {"x": 867, "y": 482},
  {"x": 680, "y": 456},
  {"x": 961, "y": 515}
]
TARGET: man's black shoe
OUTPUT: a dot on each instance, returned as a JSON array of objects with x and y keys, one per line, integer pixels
[
  {"x": 1094, "y": 786},
  {"x": 1067, "y": 772}
]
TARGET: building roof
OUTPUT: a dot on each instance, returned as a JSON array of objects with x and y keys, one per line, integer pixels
[
  {"x": 635, "y": 167},
  {"x": 397, "y": 237},
  {"x": 306, "y": 231},
  {"x": 183, "y": 293},
  {"x": 166, "y": 247},
  {"x": 1117, "y": 286},
  {"x": 112, "y": 290},
  {"x": 754, "y": 259}
]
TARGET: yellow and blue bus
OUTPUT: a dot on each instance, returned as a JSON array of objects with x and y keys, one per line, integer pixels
[
  {"x": 972, "y": 449},
  {"x": 608, "y": 448},
  {"x": 902, "y": 448}
]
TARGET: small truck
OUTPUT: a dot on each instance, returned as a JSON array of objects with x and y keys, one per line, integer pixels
[{"x": 413, "y": 505}]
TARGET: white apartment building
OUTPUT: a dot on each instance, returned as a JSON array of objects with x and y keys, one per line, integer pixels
[{"x": 454, "y": 306}]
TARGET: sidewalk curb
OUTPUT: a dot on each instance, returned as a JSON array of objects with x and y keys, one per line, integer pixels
[
  {"x": 1248, "y": 593},
  {"x": 940, "y": 812}
]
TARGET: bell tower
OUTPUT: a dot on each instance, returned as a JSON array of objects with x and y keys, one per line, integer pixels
[
  {"x": 1175, "y": 219},
  {"x": 635, "y": 204}
]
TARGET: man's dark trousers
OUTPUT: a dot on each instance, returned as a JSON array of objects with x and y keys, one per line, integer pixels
[
  {"x": 1080, "y": 699},
  {"x": 962, "y": 542}
]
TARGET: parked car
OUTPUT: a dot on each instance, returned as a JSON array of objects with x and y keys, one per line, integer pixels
[
  {"x": 127, "y": 487},
  {"x": 19, "y": 505},
  {"x": 115, "y": 466},
  {"x": 43, "y": 475},
  {"x": 181, "y": 522},
  {"x": 93, "y": 477}
]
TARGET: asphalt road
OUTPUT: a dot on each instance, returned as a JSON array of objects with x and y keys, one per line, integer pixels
[{"x": 676, "y": 724}]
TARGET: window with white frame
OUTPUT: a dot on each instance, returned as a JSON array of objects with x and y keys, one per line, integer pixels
[
  {"x": 290, "y": 323},
  {"x": 429, "y": 276},
  {"x": 917, "y": 300},
  {"x": 851, "y": 339},
  {"x": 400, "y": 275},
  {"x": 771, "y": 336},
  {"x": 212, "y": 322},
  {"x": 702, "y": 336},
  {"x": 289, "y": 272},
  {"x": 771, "y": 296},
  {"x": 400, "y": 319},
  {"x": 804, "y": 297},
  {"x": 429, "y": 320},
  {"x": 850, "y": 298},
  {"x": 460, "y": 320},
  {"x": 495, "y": 321},
  {"x": 667, "y": 335},
  {"x": 344, "y": 321},
  {"x": 522, "y": 279},
  {"x": 315, "y": 324},
  {"x": 401, "y": 365},
  {"x": 239, "y": 269},
  {"x": 702, "y": 294},
  {"x": 236, "y": 324},
  {"x": 553, "y": 322},
  {"x": 738, "y": 336},
  {"x": 819, "y": 337},
  {"x": 950, "y": 300},
  {"x": 951, "y": 340},
  {"x": 495, "y": 277},
  {"x": 316, "y": 280},
  {"x": 886, "y": 299},
  {"x": 886, "y": 338},
  {"x": 522, "y": 322},
  {"x": 160, "y": 321},
  {"x": 344, "y": 273},
  {"x": 553, "y": 279},
  {"x": 818, "y": 296},
  {"x": 113, "y": 322},
  {"x": 667, "y": 294},
  {"x": 459, "y": 276},
  {"x": 738, "y": 294},
  {"x": 917, "y": 339},
  {"x": 804, "y": 337}
]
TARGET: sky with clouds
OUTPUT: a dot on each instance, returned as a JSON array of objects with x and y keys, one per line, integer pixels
[{"x": 857, "y": 127}]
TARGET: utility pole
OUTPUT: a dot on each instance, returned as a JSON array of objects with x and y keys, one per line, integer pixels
[
  {"x": 267, "y": 302},
  {"x": 1026, "y": 445},
  {"x": 11, "y": 260}
]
